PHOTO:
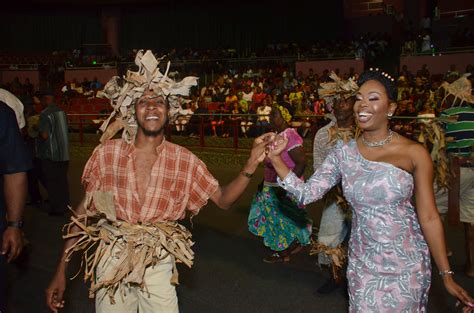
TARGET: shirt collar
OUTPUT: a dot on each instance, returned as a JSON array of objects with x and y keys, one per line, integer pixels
[{"x": 131, "y": 149}]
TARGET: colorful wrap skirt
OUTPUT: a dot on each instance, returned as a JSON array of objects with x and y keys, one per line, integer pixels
[{"x": 278, "y": 219}]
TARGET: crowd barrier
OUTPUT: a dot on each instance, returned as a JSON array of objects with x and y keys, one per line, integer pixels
[
  {"x": 85, "y": 126},
  {"x": 84, "y": 131}
]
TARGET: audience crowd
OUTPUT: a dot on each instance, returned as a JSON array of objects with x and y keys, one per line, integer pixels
[
  {"x": 238, "y": 102},
  {"x": 236, "y": 97}
]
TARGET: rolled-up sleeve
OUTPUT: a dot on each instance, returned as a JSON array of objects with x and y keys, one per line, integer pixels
[{"x": 204, "y": 185}]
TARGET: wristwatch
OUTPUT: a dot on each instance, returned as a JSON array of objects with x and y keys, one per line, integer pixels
[{"x": 16, "y": 224}]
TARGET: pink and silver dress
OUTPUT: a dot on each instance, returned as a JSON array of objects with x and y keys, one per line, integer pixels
[{"x": 389, "y": 262}]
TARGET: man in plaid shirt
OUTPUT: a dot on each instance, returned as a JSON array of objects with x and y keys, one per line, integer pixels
[{"x": 151, "y": 180}]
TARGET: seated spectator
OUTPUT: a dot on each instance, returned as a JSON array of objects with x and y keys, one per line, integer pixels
[
  {"x": 184, "y": 117},
  {"x": 200, "y": 114},
  {"x": 319, "y": 106},
  {"x": 95, "y": 84},
  {"x": 423, "y": 72},
  {"x": 218, "y": 120},
  {"x": 86, "y": 84},
  {"x": 426, "y": 98},
  {"x": 263, "y": 112},
  {"x": 243, "y": 104},
  {"x": 28, "y": 89},
  {"x": 68, "y": 93},
  {"x": 405, "y": 105},
  {"x": 230, "y": 99},
  {"x": 258, "y": 96},
  {"x": 248, "y": 121},
  {"x": 207, "y": 95},
  {"x": 402, "y": 86},
  {"x": 219, "y": 92},
  {"x": 296, "y": 96},
  {"x": 247, "y": 94},
  {"x": 234, "y": 119},
  {"x": 75, "y": 86},
  {"x": 452, "y": 74},
  {"x": 303, "y": 122}
]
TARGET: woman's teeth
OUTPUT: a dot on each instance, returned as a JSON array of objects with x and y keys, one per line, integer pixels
[{"x": 364, "y": 116}]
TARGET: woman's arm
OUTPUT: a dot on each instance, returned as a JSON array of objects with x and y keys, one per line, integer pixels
[
  {"x": 326, "y": 177},
  {"x": 430, "y": 220},
  {"x": 298, "y": 156}
]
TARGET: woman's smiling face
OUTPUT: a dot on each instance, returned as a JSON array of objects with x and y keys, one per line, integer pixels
[{"x": 372, "y": 106}]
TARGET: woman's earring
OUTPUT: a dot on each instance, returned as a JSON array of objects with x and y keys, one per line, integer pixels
[{"x": 390, "y": 114}]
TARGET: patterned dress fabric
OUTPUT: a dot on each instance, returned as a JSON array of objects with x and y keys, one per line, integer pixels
[
  {"x": 389, "y": 262},
  {"x": 266, "y": 219}
]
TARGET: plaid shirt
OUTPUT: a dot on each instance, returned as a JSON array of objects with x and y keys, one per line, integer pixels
[{"x": 178, "y": 181}]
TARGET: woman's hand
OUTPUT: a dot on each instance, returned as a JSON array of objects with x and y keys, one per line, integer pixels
[
  {"x": 457, "y": 291},
  {"x": 260, "y": 147},
  {"x": 276, "y": 147}
]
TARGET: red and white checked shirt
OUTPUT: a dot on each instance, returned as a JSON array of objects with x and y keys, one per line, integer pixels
[{"x": 178, "y": 181}]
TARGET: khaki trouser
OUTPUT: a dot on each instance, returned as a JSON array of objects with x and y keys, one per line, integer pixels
[
  {"x": 466, "y": 196},
  {"x": 158, "y": 297}
]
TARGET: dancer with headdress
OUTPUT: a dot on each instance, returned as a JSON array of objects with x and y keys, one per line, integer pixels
[
  {"x": 335, "y": 220},
  {"x": 137, "y": 189}
]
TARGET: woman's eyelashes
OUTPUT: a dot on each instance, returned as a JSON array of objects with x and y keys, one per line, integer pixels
[{"x": 370, "y": 98}]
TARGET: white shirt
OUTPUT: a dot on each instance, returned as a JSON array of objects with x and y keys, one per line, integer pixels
[
  {"x": 14, "y": 103},
  {"x": 247, "y": 96},
  {"x": 265, "y": 111}
]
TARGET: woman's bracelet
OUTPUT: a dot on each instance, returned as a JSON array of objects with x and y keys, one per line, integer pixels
[{"x": 446, "y": 272}]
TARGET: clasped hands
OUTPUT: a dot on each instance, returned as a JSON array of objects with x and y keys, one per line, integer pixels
[{"x": 268, "y": 145}]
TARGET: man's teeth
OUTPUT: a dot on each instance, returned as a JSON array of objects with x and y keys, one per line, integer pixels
[{"x": 152, "y": 118}]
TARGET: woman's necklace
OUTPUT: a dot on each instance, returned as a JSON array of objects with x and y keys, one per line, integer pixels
[{"x": 378, "y": 143}]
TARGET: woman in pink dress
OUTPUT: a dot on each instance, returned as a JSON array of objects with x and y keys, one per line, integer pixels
[{"x": 389, "y": 250}]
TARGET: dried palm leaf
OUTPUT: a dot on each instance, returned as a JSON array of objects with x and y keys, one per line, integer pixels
[{"x": 99, "y": 237}]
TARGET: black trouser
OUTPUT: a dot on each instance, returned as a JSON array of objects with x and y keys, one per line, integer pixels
[
  {"x": 3, "y": 263},
  {"x": 35, "y": 176},
  {"x": 55, "y": 175}
]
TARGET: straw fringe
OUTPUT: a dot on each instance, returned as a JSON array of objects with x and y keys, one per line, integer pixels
[
  {"x": 338, "y": 255},
  {"x": 137, "y": 247},
  {"x": 431, "y": 133}
]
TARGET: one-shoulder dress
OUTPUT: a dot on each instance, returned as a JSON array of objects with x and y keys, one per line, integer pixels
[{"x": 389, "y": 266}]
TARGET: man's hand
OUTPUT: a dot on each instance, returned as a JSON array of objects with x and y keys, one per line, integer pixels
[
  {"x": 55, "y": 292},
  {"x": 12, "y": 243},
  {"x": 260, "y": 147},
  {"x": 276, "y": 147}
]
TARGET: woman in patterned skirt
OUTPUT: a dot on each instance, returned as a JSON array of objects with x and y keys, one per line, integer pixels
[{"x": 274, "y": 215}]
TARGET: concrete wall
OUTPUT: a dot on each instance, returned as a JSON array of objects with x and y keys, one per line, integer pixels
[
  {"x": 7, "y": 76},
  {"x": 103, "y": 75},
  {"x": 438, "y": 64},
  {"x": 319, "y": 66}
]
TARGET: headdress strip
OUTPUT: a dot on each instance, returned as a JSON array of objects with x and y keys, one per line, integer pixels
[
  {"x": 461, "y": 89},
  {"x": 123, "y": 97}
]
